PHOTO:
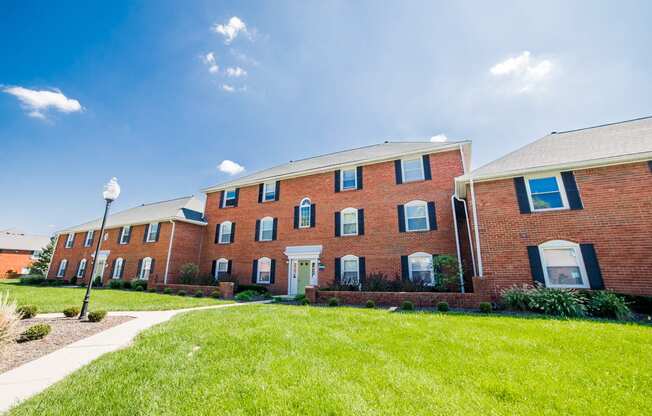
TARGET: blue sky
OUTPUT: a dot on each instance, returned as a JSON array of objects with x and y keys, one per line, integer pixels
[{"x": 128, "y": 89}]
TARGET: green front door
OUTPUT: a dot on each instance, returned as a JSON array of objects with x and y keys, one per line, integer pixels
[{"x": 304, "y": 276}]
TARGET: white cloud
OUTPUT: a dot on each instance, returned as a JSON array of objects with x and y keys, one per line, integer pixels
[
  {"x": 209, "y": 59},
  {"x": 523, "y": 71},
  {"x": 439, "y": 138},
  {"x": 231, "y": 30},
  {"x": 230, "y": 167},
  {"x": 228, "y": 88},
  {"x": 38, "y": 101},
  {"x": 235, "y": 72}
]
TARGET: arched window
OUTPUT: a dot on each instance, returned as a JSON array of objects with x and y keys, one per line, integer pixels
[
  {"x": 349, "y": 221},
  {"x": 563, "y": 265},
  {"x": 221, "y": 269},
  {"x": 225, "y": 232},
  {"x": 118, "y": 268},
  {"x": 266, "y": 229},
  {"x": 416, "y": 216},
  {"x": 421, "y": 268},
  {"x": 81, "y": 270},
  {"x": 264, "y": 272},
  {"x": 62, "y": 268},
  {"x": 350, "y": 270},
  {"x": 145, "y": 268},
  {"x": 305, "y": 213}
]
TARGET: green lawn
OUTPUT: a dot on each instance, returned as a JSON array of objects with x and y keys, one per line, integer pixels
[
  {"x": 54, "y": 299},
  {"x": 290, "y": 360}
]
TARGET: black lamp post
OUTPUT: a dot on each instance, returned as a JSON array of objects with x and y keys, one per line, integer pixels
[{"x": 110, "y": 194}]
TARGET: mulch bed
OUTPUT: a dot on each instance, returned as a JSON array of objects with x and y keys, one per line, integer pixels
[{"x": 64, "y": 331}]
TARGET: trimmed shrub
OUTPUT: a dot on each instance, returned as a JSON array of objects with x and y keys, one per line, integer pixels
[
  {"x": 126, "y": 284},
  {"x": 639, "y": 303},
  {"x": 485, "y": 307},
  {"x": 304, "y": 302},
  {"x": 566, "y": 303},
  {"x": 442, "y": 307},
  {"x": 73, "y": 280},
  {"x": 607, "y": 304},
  {"x": 96, "y": 316},
  {"x": 517, "y": 297},
  {"x": 136, "y": 283},
  {"x": 333, "y": 302},
  {"x": 188, "y": 273},
  {"x": 35, "y": 332},
  {"x": 27, "y": 311},
  {"x": 370, "y": 304},
  {"x": 246, "y": 296},
  {"x": 182, "y": 293},
  {"x": 71, "y": 311},
  {"x": 199, "y": 294},
  {"x": 167, "y": 291},
  {"x": 97, "y": 281},
  {"x": 407, "y": 305},
  {"x": 256, "y": 288},
  {"x": 299, "y": 298},
  {"x": 116, "y": 284},
  {"x": 9, "y": 318},
  {"x": 32, "y": 280},
  {"x": 139, "y": 289},
  {"x": 216, "y": 294},
  {"x": 151, "y": 289}
]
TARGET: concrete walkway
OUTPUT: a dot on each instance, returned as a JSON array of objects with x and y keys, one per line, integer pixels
[{"x": 35, "y": 376}]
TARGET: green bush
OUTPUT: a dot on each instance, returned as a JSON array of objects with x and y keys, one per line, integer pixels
[
  {"x": 32, "y": 280},
  {"x": 442, "y": 307},
  {"x": 96, "y": 316},
  {"x": 27, "y": 311},
  {"x": 299, "y": 298},
  {"x": 607, "y": 304},
  {"x": 216, "y": 294},
  {"x": 151, "y": 289},
  {"x": 182, "y": 293},
  {"x": 333, "y": 302},
  {"x": 71, "y": 311},
  {"x": 485, "y": 307},
  {"x": 116, "y": 284},
  {"x": 139, "y": 289},
  {"x": 304, "y": 302},
  {"x": 246, "y": 296},
  {"x": 370, "y": 304},
  {"x": 199, "y": 294},
  {"x": 35, "y": 332},
  {"x": 517, "y": 298},
  {"x": 97, "y": 281},
  {"x": 167, "y": 291},
  {"x": 407, "y": 305},
  {"x": 566, "y": 303},
  {"x": 256, "y": 288},
  {"x": 126, "y": 284},
  {"x": 136, "y": 283},
  {"x": 639, "y": 303},
  {"x": 73, "y": 280},
  {"x": 188, "y": 273}
]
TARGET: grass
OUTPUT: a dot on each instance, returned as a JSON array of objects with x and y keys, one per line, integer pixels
[
  {"x": 285, "y": 360},
  {"x": 55, "y": 299}
]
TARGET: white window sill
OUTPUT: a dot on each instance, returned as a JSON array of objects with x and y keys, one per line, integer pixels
[{"x": 550, "y": 209}]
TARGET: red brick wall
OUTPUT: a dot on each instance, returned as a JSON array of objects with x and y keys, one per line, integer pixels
[
  {"x": 14, "y": 260},
  {"x": 616, "y": 218},
  {"x": 186, "y": 247},
  {"x": 382, "y": 245}
]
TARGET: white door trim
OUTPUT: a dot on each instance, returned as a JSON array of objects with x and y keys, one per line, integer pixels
[{"x": 296, "y": 254}]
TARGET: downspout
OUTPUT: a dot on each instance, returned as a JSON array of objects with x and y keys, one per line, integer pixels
[
  {"x": 475, "y": 227},
  {"x": 468, "y": 230},
  {"x": 457, "y": 244},
  {"x": 167, "y": 262}
]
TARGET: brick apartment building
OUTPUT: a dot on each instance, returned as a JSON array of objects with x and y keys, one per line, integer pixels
[
  {"x": 18, "y": 251},
  {"x": 150, "y": 241},
  {"x": 572, "y": 209}
]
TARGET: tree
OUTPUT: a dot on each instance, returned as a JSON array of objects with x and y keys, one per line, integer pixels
[{"x": 40, "y": 266}]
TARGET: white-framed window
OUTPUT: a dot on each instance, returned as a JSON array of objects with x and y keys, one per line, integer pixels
[
  {"x": 124, "y": 234},
  {"x": 266, "y": 229},
  {"x": 152, "y": 230},
  {"x": 221, "y": 269},
  {"x": 264, "y": 273},
  {"x": 269, "y": 191},
  {"x": 416, "y": 216},
  {"x": 412, "y": 169},
  {"x": 350, "y": 270},
  {"x": 145, "y": 268},
  {"x": 69, "y": 240},
  {"x": 349, "y": 218},
  {"x": 421, "y": 268},
  {"x": 546, "y": 192},
  {"x": 229, "y": 197},
  {"x": 305, "y": 213},
  {"x": 349, "y": 179},
  {"x": 117, "y": 268},
  {"x": 62, "y": 268},
  {"x": 563, "y": 265},
  {"x": 82, "y": 268},
  {"x": 89, "y": 238},
  {"x": 225, "y": 232}
]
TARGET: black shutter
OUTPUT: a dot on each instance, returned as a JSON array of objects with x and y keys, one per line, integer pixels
[
  {"x": 140, "y": 267},
  {"x": 213, "y": 269},
  {"x": 257, "y": 235},
  {"x": 278, "y": 191},
  {"x": 254, "y": 271},
  {"x": 432, "y": 215},
  {"x": 158, "y": 231},
  {"x": 151, "y": 268},
  {"x": 122, "y": 271},
  {"x": 120, "y": 230},
  {"x": 217, "y": 233},
  {"x": 401, "y": 218},
  {"x": 358, "y": 172},
  {"x": 260, "y": 192},
  {"x": 521, "y": 195},
  {"x": 592, "y": 266},
  {"x": 572, "y": 193},
  {"x": 296, "y": 217},
  {"x": 649, "y": 165},
  {"x": 78, "y": 268},
  {"x": 229, "y": 267},
  {"x": 232, "y": 232},
  {"x": 313, "y": 214},
  {"x": 112, "y": 268},
  {"x": 361, "y": 221},
  {"x": 338, "y": 270},
  {"x": 337, "y": 224},
  {"x": 274, "y": 229},
  {"x": 73, "y": 240},
  {"x": 535, "y": 264},
  {"x": 397, "y": 172},
  {"x": 65, "y": 269},
  {"x": 222, "y": 199},
  {"x": 362, "y": 269},
  {"x": 405, "y": 268},
  {"x": 337, "y": 181},
  {"x": 146, "y": 232},
  {"x": 129, "y": 235},
  {"x": 427, "y": 175},
  {"x": 272, "y": 271},
  {"x": 237, "y": 197}
]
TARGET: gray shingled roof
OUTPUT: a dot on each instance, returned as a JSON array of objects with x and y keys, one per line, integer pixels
[
  {"x": 593, "y": 146},
  {"x": 14, "y": 240},
  {"x": 186, "y": 209},
  {"x": 360, "y": 156}
]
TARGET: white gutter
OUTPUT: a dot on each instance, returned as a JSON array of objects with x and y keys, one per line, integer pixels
[
  {"x": 167, "y": 262},
  {"x": 475, "y": 228}
]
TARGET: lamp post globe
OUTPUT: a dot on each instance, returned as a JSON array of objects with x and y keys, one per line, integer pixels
[{"x": 110, "y": 194}]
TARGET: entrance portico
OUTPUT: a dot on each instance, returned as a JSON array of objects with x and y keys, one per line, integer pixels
[{"x": 303, "y": 267}]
